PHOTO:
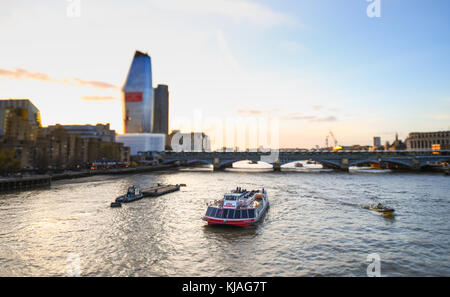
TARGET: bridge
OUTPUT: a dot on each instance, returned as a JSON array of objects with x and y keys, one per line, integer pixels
[{"x": 341, "y": 160}]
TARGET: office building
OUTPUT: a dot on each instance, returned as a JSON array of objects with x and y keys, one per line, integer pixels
[
  {"x": 376, "y": 141},
  {"x": 137, "y": 97},
  {"x": 19, "y": 119},
  {"x": 426, "y": 140},
  {"x": 161, "y": 113},
  {"x": 101, "y": 132},
  {"x": 143, "y": 142}
]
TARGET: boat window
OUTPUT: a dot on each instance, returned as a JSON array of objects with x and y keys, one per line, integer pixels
[
  {"x": 213, "y": 212},
  {"x": 209, "y": 212},
  {"x": 237, "y": 215},
  {"x": 219, "y": 213},
  {"x": 251, "y": 213},
  {"x": 244, "y": 214},
  {"x": 225, "y": 213},
  {"x": 230, "y": 214},
  {"x": 230, "y": 197}
]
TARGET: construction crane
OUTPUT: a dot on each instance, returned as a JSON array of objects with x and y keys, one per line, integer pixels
[{"x": 336, "y": 147}]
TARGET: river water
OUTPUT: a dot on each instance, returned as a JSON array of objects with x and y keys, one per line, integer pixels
[{"x": 316, "y": 226}]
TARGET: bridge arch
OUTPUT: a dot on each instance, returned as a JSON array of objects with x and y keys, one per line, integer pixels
[
  {"x": 424, "y": 163},
  {"x": 172, "y": 161},
  {"x": 328, "y": 163},
  {"x": 406, "y": 163},
  {"x": 359, "y": 162},
  {"x": 229, "y": 163},
  {"x": 198, "y": 162}
]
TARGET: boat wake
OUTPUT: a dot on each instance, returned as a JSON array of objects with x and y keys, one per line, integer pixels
[{"x": 362, "y": 202}]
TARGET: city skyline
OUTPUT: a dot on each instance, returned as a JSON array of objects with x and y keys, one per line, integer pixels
[{"x": 317, "y": 66}]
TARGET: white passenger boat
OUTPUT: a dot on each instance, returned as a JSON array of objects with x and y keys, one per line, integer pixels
[{"x": 238, "y": 208}]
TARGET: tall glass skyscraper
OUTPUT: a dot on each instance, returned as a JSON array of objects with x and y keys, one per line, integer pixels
[{"x": 138, "y": 96}]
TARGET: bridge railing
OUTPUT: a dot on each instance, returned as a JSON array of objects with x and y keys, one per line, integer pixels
[{"x": 334, "y": 153}]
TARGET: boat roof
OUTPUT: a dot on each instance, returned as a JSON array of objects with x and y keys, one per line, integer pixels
[{"x": 234, "y": 196}]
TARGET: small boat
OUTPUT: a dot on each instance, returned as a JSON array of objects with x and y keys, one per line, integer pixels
[
  {"x": 134, "y": 193},
  {"x": 382, "y": 209},
  {"x": 238, "y": 208},
  {"x": 116, "y": 204}
]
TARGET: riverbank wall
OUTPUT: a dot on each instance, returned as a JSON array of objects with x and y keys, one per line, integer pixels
[{"x": 42, "y": 181}]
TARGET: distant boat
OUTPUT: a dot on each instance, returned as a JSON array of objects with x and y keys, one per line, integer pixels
[
  {"x": 307, "y": 165},
  {"x": 369, "y": 169},
  {"x": 382, "y": 209}
]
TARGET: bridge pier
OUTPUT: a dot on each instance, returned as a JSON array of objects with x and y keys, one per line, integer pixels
[
  {"x": 277, "y": 166},
  {"x": 216, "y": 164},
  {"x": 415, "y": 164},
  {"x": 344, "y": 164}
]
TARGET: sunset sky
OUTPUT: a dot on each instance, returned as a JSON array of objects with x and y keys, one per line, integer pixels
[{"x": 315, "y": 65}]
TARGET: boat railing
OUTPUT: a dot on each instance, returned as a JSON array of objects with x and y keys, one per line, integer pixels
[{"x": 219, "y": 204}]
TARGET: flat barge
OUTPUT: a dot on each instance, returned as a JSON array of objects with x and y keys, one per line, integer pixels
[
  {"x": 160, "y": 190},
  {"x": 134, "y": 193}
]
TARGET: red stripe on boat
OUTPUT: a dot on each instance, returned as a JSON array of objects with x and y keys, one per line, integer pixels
[{"x": 241, "y": 223}]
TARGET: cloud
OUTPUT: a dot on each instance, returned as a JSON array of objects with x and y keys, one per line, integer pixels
[
  {"x": 441, "y": 116},
  {"x": 299, "y": 117},
  {"x": 19, "y": 74},
  {"x": 98, "y": 98},
  {"x": 256, "y": 112},
  {"x": 249, "y": 111},
  {"x": 311, "y": 118},
  {"x": 95, "y": 84},
  {"x": 238, "y": 10},
  {"x": 326, "y": 119}
]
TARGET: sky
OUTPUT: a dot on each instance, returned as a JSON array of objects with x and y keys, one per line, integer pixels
[{"x": 309, "y": 66}]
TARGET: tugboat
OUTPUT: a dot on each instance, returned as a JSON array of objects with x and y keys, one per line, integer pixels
[
  {"x": 238, "y": 208},
  {"x": 134, "y": 193}
]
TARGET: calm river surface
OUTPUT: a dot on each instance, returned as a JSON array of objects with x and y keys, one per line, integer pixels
[{"x": 316, "y": 226}]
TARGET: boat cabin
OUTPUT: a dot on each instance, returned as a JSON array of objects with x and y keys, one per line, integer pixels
[
  {"x": 231, "y": 200},
  {"x": 133, "y": 191}
]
